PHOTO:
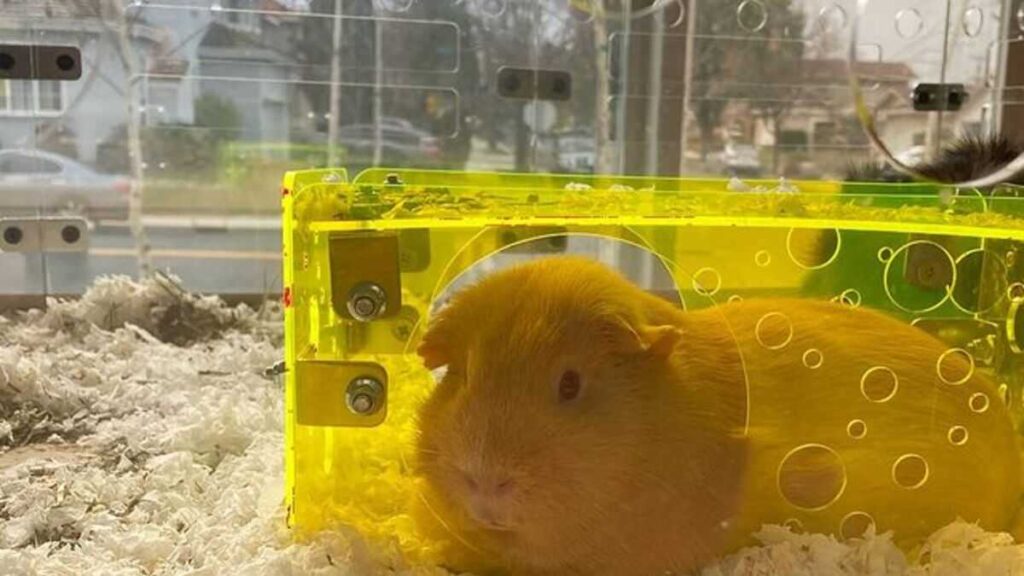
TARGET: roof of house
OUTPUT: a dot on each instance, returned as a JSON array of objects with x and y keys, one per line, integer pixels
[
  {"x": 293, "y": 6},
  {"x": 52, "y": 8},
  {"x": 223, "y": 42},
  {"x": 168, "y": 66},
  {"x": 74, "y": 16}
]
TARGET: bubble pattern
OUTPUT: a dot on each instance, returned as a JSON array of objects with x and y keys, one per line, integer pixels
[{"x": 824, "y": 471}]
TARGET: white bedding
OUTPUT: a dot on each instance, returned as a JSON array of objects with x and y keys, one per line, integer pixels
[{"x": 121, "y": 454}]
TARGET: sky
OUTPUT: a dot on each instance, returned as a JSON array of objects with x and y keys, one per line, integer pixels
[{"x": 912, "y": 31}]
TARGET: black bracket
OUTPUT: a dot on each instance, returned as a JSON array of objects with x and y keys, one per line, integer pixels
[
  {"x": 938, "y": 97},
  {"x": 533, "y": 84},
  {"x": 47, "y": 234},
  {"x": 26, "y": 62}
]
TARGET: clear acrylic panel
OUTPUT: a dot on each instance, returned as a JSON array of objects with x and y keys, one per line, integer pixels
[
  {"x": 196, "y": 108},
  {"x": 1007, "y": 79},
  {"x": 958, "y": 44},
  {"x": 22, "y": 267}
]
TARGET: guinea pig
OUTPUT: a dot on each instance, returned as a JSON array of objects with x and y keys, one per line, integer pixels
[{"x": 585, "y": 426}]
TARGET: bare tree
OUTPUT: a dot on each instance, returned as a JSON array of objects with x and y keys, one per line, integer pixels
[
  {"x": 735, "y": 62},
  {"x": 776, "y": 66},
  {"x": 602, "y": 110},
  {"x": 120, "y": 25}
]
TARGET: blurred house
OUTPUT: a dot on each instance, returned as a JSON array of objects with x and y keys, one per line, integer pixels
[
  {"x": 819, "y": 133},
  {"x": 230, "y": 51}
]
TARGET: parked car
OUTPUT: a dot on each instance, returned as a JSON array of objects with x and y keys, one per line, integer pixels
[
  {"x": 577, "y": 153},
  {"x": 402, "y": 145},
  {"x": 396, "y": 122},
  {"x": 740, "y": 161},
  {"x": 913, "y": 156},
  {"x": 34, "y": 181}
]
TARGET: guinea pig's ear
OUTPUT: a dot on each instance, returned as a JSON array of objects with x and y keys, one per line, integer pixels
[
  {"x": 435, "y": 348},
  {"x": 659, "y": 340}
]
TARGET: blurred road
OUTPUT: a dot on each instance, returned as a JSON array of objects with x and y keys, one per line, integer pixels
[
  {"x": 237, "y": 254},
  {"x": 225, "y": 255},
  {"x": 233, "y": 255}
]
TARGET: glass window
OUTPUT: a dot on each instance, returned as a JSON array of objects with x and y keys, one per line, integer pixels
[
  {"x": 50, "y": 96},
  {"x": 163, "y": 102},
  {"x": 21, "y": 96},
  {"x": 28, "y": 97}
]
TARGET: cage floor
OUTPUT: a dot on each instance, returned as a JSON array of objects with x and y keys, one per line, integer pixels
[{"x": 123, "y": 454}]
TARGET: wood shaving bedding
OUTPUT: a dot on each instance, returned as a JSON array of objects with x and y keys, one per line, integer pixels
[{"x": 125, "y": 450}]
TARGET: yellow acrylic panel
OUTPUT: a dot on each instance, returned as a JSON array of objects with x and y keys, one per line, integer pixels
[{"x": 948, "y": 261}]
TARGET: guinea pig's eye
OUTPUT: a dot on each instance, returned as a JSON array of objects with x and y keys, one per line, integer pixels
[{"x": 569, "y": 386}]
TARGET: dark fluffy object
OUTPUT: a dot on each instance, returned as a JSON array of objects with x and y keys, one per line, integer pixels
[{"x": 967, "y": 158}]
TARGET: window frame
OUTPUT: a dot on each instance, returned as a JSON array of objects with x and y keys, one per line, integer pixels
[{"x": 8, "y": 110}]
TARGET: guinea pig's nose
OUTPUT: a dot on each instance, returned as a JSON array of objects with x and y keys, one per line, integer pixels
[{"x": 489, "y": 514}]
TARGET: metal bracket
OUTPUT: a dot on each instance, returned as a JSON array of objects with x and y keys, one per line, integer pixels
[
  {"x": 44, "y": 235},
  {"x": 929, "y": 97},
  {"x": 365, "y": 279},
  {"x": 340, "y": 394},
  {"x": 534, "y": 84},
  {"x": 26, "y": 62}
]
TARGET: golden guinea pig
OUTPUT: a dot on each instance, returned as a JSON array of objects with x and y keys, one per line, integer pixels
[{"x": 585, "y": 426}]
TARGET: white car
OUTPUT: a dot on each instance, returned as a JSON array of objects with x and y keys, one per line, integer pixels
[
  {"x": 913, "y": 156},
  {"x": 577, "y": 153},
  {"x": 740, "y": 161},
  {"x": 37, "y": 182}
]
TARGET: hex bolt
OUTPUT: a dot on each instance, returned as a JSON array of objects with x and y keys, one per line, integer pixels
[
  {"x": 922, "y": 97},
  {"x": 364, "y": 396},
  {"x": 511, "y": 83},
  {"x": 366, "y": 301},
  {"x": 65, "y": 62},
  {"x": 364, "y": 306},
  {"x": 559, "y": 86},
  {"x": 13, "y": 235},
  {"x": 71, "y": 234}
]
